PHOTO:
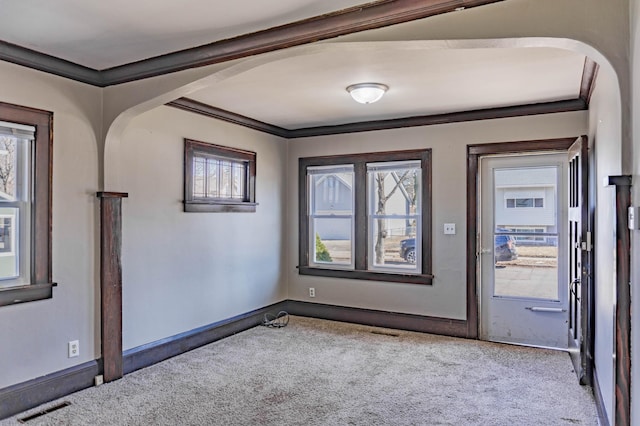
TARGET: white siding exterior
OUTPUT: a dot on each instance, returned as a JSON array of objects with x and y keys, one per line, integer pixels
[{"x": 533, "y": 187}]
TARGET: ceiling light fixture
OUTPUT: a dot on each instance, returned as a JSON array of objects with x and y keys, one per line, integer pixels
[{"x": 367, "y": 93}]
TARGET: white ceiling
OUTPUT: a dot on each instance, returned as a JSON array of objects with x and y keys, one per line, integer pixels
[
  {"x": 310, "y": 90},
  {"x": 303, "y": 86},
  {"x": 104, "y": 34}
]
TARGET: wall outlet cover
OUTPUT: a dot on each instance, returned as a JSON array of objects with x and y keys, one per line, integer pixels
[{"x": 74, "y": 348}]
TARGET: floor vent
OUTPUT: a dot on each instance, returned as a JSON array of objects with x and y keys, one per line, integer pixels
[
  {"x": 385, "y": 333},
  {"x": 45, "y": 411}
]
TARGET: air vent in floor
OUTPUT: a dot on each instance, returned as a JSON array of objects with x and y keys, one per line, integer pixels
[{"x": 45, "y": 411}]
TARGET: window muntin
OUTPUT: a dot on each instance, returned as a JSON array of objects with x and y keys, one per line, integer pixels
[
  {"x": 364, "y": 224},
  {"x": 218, "y": 179},
  {"x": 394, "y": 216},
  {"x": 331, "y": 216},
  {"x": 518, "y": 203}
]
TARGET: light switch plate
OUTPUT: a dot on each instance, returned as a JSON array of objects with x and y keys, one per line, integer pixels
[
  {"x": 634, "y": 217},
  {"x": 450, "y": 228}
]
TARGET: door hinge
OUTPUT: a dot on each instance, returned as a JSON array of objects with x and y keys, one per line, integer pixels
[{"x": 586, "y": 245}]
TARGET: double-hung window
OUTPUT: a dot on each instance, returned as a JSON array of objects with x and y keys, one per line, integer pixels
[
  {"x": 25, "y": 204},
  {"x": 367, "y": 216}
]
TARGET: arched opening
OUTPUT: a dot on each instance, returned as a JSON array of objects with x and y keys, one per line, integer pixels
[{"x": 143, "y": 157}]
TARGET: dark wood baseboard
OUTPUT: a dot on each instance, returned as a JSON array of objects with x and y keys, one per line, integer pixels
[
  {"x": 27, "y": 395},
  {"x": 154, "y": 352},
  {"x": 23, "y": 396},
  {"x": 400, "y": 321},
  {"x": 597, "y": 393}
]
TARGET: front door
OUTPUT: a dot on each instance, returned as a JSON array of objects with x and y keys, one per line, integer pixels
[
  {"x": 579, "y": 261},
  {"x": 523, "y": 262}
]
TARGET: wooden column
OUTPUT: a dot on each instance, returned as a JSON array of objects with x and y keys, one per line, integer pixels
[
  {"x": 623, "y": 301},
  {"x": 111, "y": 282}
]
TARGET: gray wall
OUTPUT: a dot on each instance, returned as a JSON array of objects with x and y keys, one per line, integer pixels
[
  {"x": 184, "y": 270},
  {"x": 38, "y": 332},
  {"x": 446, "y": 297},
  {"x": 34, "y": 336}
]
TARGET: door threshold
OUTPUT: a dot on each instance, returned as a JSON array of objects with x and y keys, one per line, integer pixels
[{"x": 552, "y": 348}]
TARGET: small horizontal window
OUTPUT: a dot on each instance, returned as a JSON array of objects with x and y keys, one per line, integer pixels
[
  {"x": 218, "y": 179},
  {"x": 524, "y": 202}
]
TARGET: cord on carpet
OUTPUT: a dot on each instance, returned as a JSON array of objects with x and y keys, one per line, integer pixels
[{"x": 280, "y": 320}]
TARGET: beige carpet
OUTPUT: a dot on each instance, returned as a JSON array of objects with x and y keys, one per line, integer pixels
[{"x": 317, "y": 372}]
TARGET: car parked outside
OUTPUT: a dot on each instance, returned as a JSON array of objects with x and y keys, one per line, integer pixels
[{"x": 504, "y": 248}]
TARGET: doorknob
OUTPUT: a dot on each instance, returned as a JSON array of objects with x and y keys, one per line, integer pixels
[
  {"x": 572, "y": 288},
  {"x": 485, "y": 251}
]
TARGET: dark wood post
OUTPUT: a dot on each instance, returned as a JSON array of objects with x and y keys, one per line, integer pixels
[
  {"x": 623, "y": 301},
  {"x": 111, "y": 282}
]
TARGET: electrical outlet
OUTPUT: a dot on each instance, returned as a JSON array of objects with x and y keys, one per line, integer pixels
[
  {"x": 74, "y": 348},
  {"x": 98, "y": 380},
  {"x": 312, "y": 292}
]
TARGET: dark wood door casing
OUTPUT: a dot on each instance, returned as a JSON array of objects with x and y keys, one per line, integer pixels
[
  {"x": 623, "y": 301},
  {"x": 474, "y": 153}
]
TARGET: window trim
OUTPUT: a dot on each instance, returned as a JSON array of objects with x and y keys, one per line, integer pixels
[
  {"x": 41, "y": 284},
  {"x": 361, "y": 270},
  {"x": 218, "y": 205}
]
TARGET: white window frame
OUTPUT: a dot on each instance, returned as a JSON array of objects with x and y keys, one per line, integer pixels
[
  {"x": 372, "y": 216},
  {"x": 21, "y": 233},
  {"x": 313, "y": 215}
]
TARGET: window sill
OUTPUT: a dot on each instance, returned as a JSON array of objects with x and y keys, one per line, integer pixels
[
  {"x": 25, "y": 293},
  {"x": 220, "y": 207},
  {"x": 424, "y": 279}
]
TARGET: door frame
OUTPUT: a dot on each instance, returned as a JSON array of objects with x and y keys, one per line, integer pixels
[
  {"x": 581, "y": 206},
  {"x": 474, "y": 152}
]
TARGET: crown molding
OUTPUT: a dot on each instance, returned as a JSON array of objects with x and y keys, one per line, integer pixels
[
  {"x": 588, "y": 82},
  {"x": 50, "y": 64},
  {"x": 193, "y": 106}
]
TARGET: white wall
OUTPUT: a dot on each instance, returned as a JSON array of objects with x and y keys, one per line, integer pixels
[
  {"x": 185, "y": 270},
  {"x": 34, "y": 336},
  {"x": 447, "y": 296},
  {"x": 605, "y": 143}
]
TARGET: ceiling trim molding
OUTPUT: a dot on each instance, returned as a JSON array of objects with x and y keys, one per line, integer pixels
[
  {"x": 194, "y": 106},
  {"x": 364, "y": 17},
  {"x": 455, "y": 117},
  {"x": 588, "y": 82},
  {"x": 570, "y": 105},
  {"x": 355, "y": 19},
  {"x": 50, "y": 64}
]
